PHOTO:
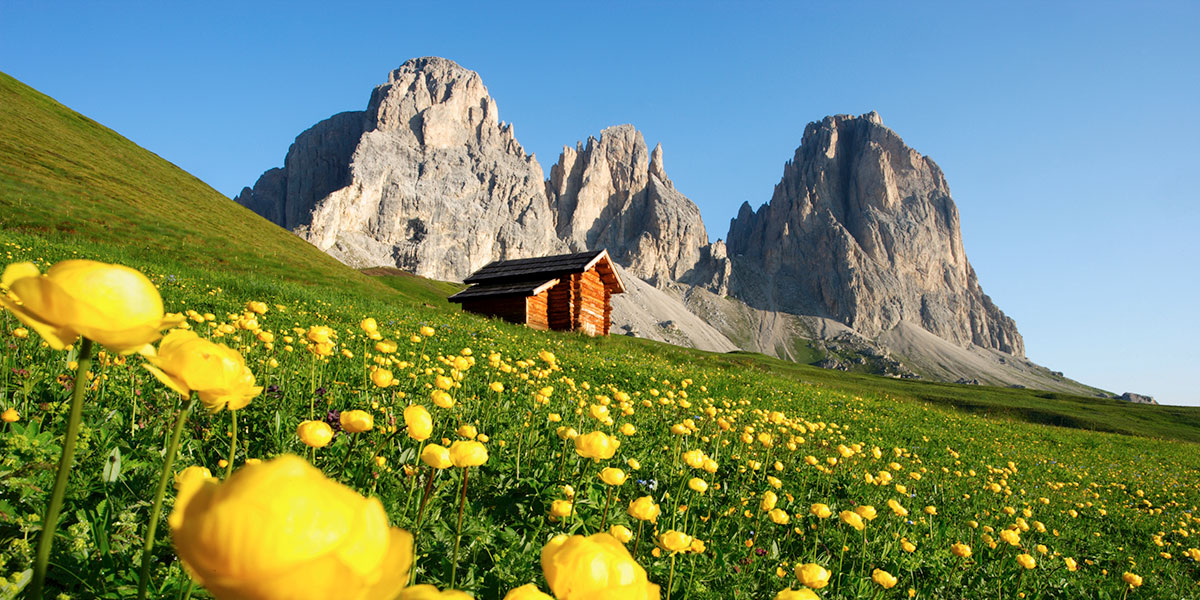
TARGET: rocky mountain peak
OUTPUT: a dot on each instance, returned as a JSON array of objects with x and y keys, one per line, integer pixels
[
  {"x": 427, "y": 179},
  {"x": 862, "y": 229},
  {"x": 613, "y": 193}
]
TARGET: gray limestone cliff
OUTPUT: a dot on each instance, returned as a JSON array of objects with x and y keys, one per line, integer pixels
[
  {"x": 426, "y": 179},
  {"x": 614, "y": 193},
  {"x": 862, "y": 229}
]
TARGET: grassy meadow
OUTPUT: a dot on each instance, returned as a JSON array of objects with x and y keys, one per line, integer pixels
[{"x": 1055, "y": 496}]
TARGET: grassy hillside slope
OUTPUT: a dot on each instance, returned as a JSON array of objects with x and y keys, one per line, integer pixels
[{"x": 72, "y": 186}]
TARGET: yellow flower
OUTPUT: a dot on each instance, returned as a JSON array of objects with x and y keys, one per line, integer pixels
[
  {"x": 907, "y": 545},
  {"x": 281, "y": 529},
  {"x": 612, "y": 476},
  {"x": 812, "y": 575},
  {"x": 357, "y": 421},
  {"x": 675, "y": 541},
  {"x": 596, "y": 445},
  {"x": 579, "y": 568},
  {"x": 319, "y": 334},
  {"x": 820, "y": 511},
  {"x": 442, "y": 399},
  {"x": 20, "y": 333},
  {"x": 10, "y": 416},
  {"x": 382, "y": 378},
  {"x": 628, "y": 429},
  {"x": 427, "y": 331},
  {"x": 112, "y": 305},
  {"x": 852, "y": 519},
  {"x": 1026, "y": 561},
  {"x": 218, "y": 374},
  {"x": 561, "y": 508},
  {"x": 800, "y": 594},
  {"x": 883, "y": 578},
  {"x": 897, "y": 508},
  {"x": 1012, "y": 536},
  {"x": 779, "y": 516},
  {"x": 429, "y": 592},
  {"x": 528, "y": 591},
  {"x": 467, "y": 430},
  {"x": 257, "y": 307},
  {"x": 931, "y": 510},
  {"x": 436, "y": 456},
  {"x": 1071, "y": 564},
  {"x": 496, "y": 386},
  {"x": 644, "y": 509},
  {"x": 1132, "y": 579},
  {"x": 419, "y": 422},
  {"x": 768, "y": 501},
  {"x": 697, "y": 547},
  {"x": 961, "y": 550},
  {"x": 468, "y": 454},
  {"x": 866, "y": 511},
  {"x": 369, "y": 324},
  {"x": 698, "y": 485},
  {"x": 621, "y": 532},
  {"x": 315, "y": 433}
]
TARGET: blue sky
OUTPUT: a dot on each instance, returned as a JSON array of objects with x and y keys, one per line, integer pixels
[{"x": 1068, "y": 131}]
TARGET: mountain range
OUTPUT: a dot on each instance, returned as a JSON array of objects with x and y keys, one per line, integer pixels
[{"x": 856, "y": 262}]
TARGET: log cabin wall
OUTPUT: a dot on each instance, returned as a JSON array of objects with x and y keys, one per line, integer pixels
[
  {"x": 592, "y": 303},
  {"x": 559, "y": 304},
  {"x": 509, "y": 308},
  {"x": 537, "y": 311},
  {"x": 607, "y": 311}
]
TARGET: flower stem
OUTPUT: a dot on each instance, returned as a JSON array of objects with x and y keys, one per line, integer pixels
[
  {"x": 349, "y": 451},
  {"x": 156, "y": 509},
  {"x": 607, "y": 503},
  {"x": 50, "y": 522},
  {"x": 638, "y": 541},
  {"x": 412, "y": 578},
  {"x": 232, "y": 444},
  {"x": 458, "y": 530},
  {"x": 671, "y": 577}
]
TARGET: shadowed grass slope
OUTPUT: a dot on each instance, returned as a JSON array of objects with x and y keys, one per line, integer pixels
[{"x": 71, "y": 187}]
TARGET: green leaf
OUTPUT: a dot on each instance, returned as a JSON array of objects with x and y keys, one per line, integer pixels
[{"x": 112, "y": 466}]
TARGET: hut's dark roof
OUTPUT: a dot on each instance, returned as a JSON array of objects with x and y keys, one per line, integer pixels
[
  {"x": 541, "y": 268},
  {"x": 528, "y": 287}
]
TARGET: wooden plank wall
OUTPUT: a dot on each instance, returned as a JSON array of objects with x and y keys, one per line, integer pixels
[
  {"x": 510, "y": 308},
  {"x": 607, "y": 311},
  {"x": 592, "y": 306},
  {"x": 558, "y": 311},
  {"x": 537, "y": 313}
]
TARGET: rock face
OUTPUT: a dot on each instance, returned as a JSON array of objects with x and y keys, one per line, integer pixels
[
  {"x": 862, "y": 229},
  {"x": 1138, "y": 398},
  {"x": 426, "y": 179},
  {"x": 613, "y": 193}
]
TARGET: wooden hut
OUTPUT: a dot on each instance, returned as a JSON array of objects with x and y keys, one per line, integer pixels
[{"x": 567, "y": 292}]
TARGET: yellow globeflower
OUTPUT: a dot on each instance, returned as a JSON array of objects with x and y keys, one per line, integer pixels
[
  {"x": 429, "y": 592},
  {"x": 468, "y": 454},
  {"x": 883, "y": 578},
  {"x": 427, "y": 331},
  {"x": 1071, "y": 564},
  {"x": 866, "y": 511},
  {"x": 357, "y": 421},
  {"x": 812, "y": 575},
  {"x": 644, "y": 509},
  {"x": 436, "y": 456},
  {"x": 1026, "y": 561},
  {"x": 698, "y": 485},
  {"x": 596, "y": 445},
  {"x": 769, "y": 499},
  {"x": 383, "y": 378},
  {"x": 961, "y": 550},
  {"x": 319, "y": 334},
  {"x": 800, "y": 594},
  {"x": 369, "y": 324},
  {"x": 10, "y": 416},
  {"x": 315, "y": 433},
  {"x": 852, "y": 519},
  {"x": 621, "y": 532},
  {"x": 282, "y": 530},
  {"x": 185, "y": 362},
  {"x": 561, "y": 508},
  {"x": 578, "y": 568},
  {"x": 675, "y": 541},
  {"x": 441, "y": 399},
  {"x": 112, "y": 305},
  {"x": 528, "y": 591},
  {"x": 1132, "y": 579},
  {"x": 257, "y": 307},
  {"x": 779, "y": 516},
  {"x": 1012, "y": 536},
  {"x": 419, "y": 422},
  {"x": 820, "y": 511},
  {"x": 613, "y": 476}
]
